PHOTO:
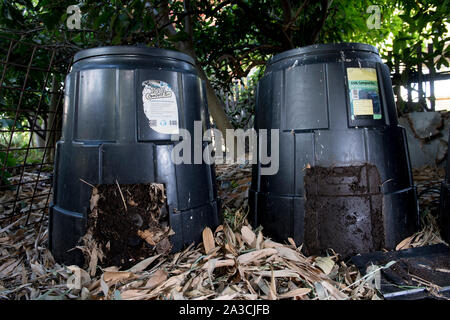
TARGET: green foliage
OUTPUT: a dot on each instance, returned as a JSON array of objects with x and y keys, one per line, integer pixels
[
  {"x": 10, "y": 161},
  {"x": 244, "y": 108},
  {"x": 414, "y": 24},
  {"x": 228, "y": 37}
]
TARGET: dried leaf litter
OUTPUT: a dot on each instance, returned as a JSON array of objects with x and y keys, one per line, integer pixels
[{"x": 234, "y": 261}]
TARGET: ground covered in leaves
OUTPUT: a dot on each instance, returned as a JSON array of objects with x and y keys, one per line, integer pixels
[{"x": 233, "y": 262}]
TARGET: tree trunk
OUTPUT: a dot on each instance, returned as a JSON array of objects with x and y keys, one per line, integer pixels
[{"x": 215, "y": 106}]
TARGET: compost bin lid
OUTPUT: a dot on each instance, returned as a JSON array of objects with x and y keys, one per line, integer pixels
[
  {"x": 132, "y": 50},
  {"x": 323, "y": 49}
]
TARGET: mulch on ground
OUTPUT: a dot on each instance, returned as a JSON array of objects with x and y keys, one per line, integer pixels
[{"x": 234, "y": 261}]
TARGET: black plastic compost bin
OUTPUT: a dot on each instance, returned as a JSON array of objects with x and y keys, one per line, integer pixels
[
  {"x": 445, "y": 200},
  {"x": 112, "y": 130},
  {"x": 344, "y": 179}
]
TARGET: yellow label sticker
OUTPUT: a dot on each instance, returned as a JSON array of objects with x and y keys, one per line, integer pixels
[
  {"x": 362, "y": 74},
  {"x": 363, "y": 93},
  {"x": 362, "y": 107}
]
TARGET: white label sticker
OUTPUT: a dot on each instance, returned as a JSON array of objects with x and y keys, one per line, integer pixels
[{"x": 160, "y": 106}]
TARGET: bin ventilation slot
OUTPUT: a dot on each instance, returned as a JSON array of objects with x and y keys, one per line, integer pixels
[
  {"x": 127, "y": 223},
  {"x": 344, "y": 209}
]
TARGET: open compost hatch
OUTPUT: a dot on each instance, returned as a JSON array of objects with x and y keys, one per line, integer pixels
[
  {"x": 127, "y": 223},
  {"x": 343, "y": 209}
]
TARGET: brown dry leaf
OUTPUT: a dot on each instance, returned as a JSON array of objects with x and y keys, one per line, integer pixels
[
  {"x": 252, "y": 256},
  {"x": 405, "y": 243},
  {"x": 229, "y": 235},
  {"x": 143, "y": 264},
  {"x": 112, "y": 277},
  {"x": 278, "y": 274},
  {"x": 272, "y": 287},
  {"x": 300, "y": 292},
  {"x": 289, "y": 254},
  {"x": 259, "y": 241},
  {"x": 163, "y": 246},
  {"x": 220, "y": 263},
  {"x": 132, "y": 203},
  {"x": 272, "y": 244},
  {"x": 94, "y": 198},
  {"x": 156, "y": 279},
  {"x": 133, "y": 294},
  {"x": 169, "y": 283},
  {"x": 8, "y": 266},
  {"x": 230, "y": 249},
  {"x": 248, "y": 236},
  {"x": 208, "y": 240},
  {"x": 147, "y": 235},
  {"x": 326, "y": 264},
  {"x": 292, "y": 243},
  {"x": 333, "y": 291},
  {"x": 93, "y": 262}
]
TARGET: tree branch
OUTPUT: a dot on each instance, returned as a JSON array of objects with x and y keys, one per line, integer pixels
[
  {"x": 325, "y": 4},
  {"x": 271, "y": 30},
  {"x": 297, "y": 13},
  {"x": 287, "y": 11}
]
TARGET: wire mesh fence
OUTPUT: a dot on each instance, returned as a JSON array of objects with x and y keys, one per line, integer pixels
[{"x": 31, "y": 98}]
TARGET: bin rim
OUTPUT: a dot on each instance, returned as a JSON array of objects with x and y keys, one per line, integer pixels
[
  {"x": 134, "y": 51},
  {"x": 323, "y": 49}
]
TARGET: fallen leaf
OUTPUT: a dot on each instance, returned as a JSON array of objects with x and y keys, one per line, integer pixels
[
  {"x": 132, "y": 294},
  {"x": 143, "y": 264},
  {"x": 163, "y": 246},
  {"x": 248, "y": 236},
  {"x": 156, "y": 279},
  {"x": 116, "y": 276},
  {"x": 255, "y": 255},
  {"x": 147, "y": 236},
  {"x": 295, "y": 293},
  {"x": 289, "y": 254},
  {"x": 333, "y": 291},
  {"x": 278, "y": 274},
  {"x": 404, "y": 244},
  {"x": 208, "y": 240},
  {"x": 272, "y": 287},
  {"x": 94, "y": 198},
  {"x": 220, "y": 263},
  {"x": 104, "y": 286},
  {"x": 93, "y": 262},
  {"x": 326, "y": 264}
]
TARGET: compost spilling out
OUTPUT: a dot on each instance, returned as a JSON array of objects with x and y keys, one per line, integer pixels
[{"x": 126, "y": 224}]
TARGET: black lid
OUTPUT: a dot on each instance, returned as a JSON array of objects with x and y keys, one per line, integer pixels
[
  {"x": 132, "y": 50},
  {"x": 323, "y": 48}
]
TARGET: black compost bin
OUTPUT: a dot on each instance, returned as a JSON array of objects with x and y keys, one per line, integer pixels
[
  {"x": 344, "y": 178},
  {"x": 444, "y": 219},
  {"x": 116, "y": 129}
]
